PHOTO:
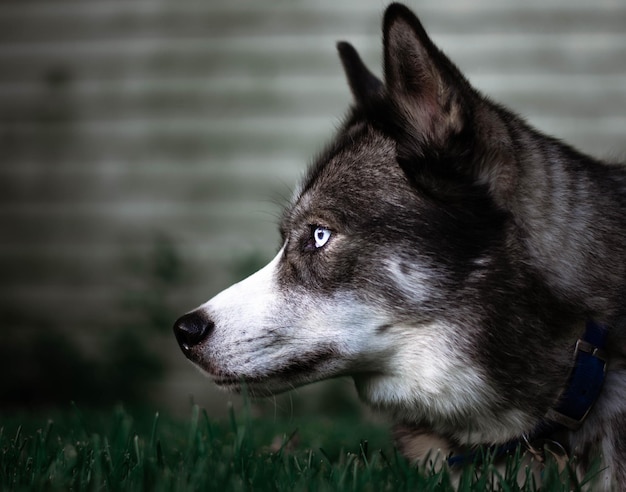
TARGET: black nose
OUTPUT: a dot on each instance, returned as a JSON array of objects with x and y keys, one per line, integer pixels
[{"x": 191, "y": 328}]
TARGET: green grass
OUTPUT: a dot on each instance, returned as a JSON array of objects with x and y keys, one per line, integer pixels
[{"x": 79, "y": 451}]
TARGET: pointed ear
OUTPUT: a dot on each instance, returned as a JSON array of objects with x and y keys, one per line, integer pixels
[
  {"x": 363, "y": 83},
  {"x": 425, "y": 87}
]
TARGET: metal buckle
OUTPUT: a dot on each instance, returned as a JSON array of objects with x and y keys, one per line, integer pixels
[
  {"x": 565, "y": 420},
  {"x": 584, "y": 346}
]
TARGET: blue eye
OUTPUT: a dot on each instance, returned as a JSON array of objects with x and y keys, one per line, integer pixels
[{"x": 321, "y": 235}]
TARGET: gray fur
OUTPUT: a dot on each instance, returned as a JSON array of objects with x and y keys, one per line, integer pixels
[{"x": 463, "y": 252}]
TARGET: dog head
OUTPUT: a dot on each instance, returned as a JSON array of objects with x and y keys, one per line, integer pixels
[{"x": 396, "y": 259}]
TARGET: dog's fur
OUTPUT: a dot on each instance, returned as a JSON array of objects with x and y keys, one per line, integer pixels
[{"x": 445, "y": 255}]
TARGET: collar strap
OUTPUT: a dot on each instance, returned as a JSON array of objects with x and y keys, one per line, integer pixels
[
  {"x": 582, "y": 391},
  {"x": 586, "y": 379}
]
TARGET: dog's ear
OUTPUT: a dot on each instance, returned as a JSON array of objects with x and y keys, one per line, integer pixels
[
  {"x": 424, "y": 86},
  {"x": 440, "y": 115},
  {"x": 363, "y": 83}
]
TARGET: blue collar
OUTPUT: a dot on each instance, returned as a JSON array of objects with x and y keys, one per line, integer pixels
[
  {"x": 582, "y": 391},
  {"x": 585, "y": 382}
]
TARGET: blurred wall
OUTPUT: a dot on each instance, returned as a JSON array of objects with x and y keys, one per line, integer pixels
[{"x": 146, "y": 147}]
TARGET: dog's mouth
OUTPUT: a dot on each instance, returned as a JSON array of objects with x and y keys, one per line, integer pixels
[
  {"x": 237, "y": 384},
  {"x": 256, "y": 387},
  {"x": 229, "y": 382},
  {"x": 310, "y": 368}
]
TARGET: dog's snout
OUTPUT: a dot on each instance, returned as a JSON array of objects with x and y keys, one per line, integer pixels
[{"x": 191, "y": 328}]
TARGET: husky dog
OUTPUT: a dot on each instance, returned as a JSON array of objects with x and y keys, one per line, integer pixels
[{"x": 447, "y": 256}]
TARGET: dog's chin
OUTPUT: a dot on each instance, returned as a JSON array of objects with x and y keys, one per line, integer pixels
[
  {"x": 267, "y": 384},
  {"x": 255, "y": 387}
]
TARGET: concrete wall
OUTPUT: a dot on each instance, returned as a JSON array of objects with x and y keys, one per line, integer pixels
[{"x": 126, "y": 122}]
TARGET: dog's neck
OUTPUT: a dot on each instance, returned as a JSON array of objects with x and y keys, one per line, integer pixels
[{"x": 576, "y": 400}]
